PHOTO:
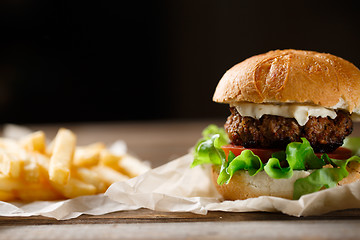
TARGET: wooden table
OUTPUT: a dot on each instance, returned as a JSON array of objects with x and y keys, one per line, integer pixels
[{"x": 160, "y": 142}]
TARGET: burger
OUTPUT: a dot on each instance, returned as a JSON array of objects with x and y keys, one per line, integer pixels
[{"x": 291, "y": 111}]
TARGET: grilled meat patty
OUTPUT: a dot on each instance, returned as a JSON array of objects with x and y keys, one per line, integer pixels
[{"x": 324, "y": 134}]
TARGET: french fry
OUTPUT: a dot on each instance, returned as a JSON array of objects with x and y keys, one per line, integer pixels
[
  {"x": 34, "y": 142},
  {"x": 49, "y": 148},
  {"x": 8, "y": 184},
  {"x": 98, "y": 146},
  {"x": 132, "y": 166},
  {"x": 10, "y": 165},
  {"x": 29, "y": 195},
  {"x": 35, "y": 191},
  {"x": 89, "y": 155},
  {"x": 109, "y": 175},
  {"x": 109, "y": 159},
  {"x": 12, "y": 147},
  {"x": 31, "y": 170},
  {"x": 16, "y": 188},
  {"x": 6, "y": 196},
  {"x": 42, "y": 160},
  {"x": 9, "y": 144},
  {"x": 75, "y": 188},
  {"x": 91, "y": 177},
  {"x": 60, "y": 161}
]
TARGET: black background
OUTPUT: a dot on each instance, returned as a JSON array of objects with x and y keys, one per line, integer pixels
[{"x": 68, "y": 61}]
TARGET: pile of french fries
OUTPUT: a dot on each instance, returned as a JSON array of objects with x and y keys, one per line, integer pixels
[{"x": 31, "y": 169}]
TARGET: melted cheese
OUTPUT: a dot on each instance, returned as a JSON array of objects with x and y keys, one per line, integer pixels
[{"x": 300, "y": 112}]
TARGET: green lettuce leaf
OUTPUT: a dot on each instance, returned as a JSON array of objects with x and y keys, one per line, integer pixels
[
  {"x": 224, "y": 176},
  {"x": 323, "y": 178},
  {"x": 301, "y": 156},
  {"x": 208, "y": 149},
  {"x": 212, "y": 130},
  {"x": 353, "y": 143},
  {"x": 274, "y": 169},
  {"x": 247, "y": 160}
]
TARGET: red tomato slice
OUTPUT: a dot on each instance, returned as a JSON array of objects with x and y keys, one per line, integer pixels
[
  {"x": 340, "y": 153},
  {"x": 264, "y": 154}
]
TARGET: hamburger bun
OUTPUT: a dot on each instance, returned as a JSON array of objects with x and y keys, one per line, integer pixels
[
  {"x": 243, "y": 186},
  {"x": 292, "y": 76}
]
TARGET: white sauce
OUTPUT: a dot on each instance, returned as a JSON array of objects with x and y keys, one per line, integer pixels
[
  {"x": 300, "y": 112},
  {"x": 342, "y": 104}
]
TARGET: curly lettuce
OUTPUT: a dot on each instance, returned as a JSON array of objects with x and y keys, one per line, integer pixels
[
  {"x": 323, "y": 178},
  {"x": 247, "y": 160},
  {"x": 297, "y": 156},
  {"x": 208, "y": 149}
]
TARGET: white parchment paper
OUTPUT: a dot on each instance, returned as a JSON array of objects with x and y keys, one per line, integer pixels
[{"x": 175, "y": 187}]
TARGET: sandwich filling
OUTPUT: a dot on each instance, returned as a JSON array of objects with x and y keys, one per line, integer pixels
[
  {"x": 325, "y": 133},
  {"x": 301, "y": 113},
  {"x": 324, "y": 172}
]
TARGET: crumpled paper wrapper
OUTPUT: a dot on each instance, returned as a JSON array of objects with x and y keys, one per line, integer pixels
[{"x": 174, "y": 187}]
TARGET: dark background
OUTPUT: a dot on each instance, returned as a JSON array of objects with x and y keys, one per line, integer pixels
[{"x": 64, "y": 61}]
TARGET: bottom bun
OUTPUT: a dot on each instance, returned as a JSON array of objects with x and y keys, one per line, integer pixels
[{"x": 243, "y": 186}]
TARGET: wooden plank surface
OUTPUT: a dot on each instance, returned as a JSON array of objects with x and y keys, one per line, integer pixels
[
  {"x": 309, "y": 230},
  {"x": 150, "y": 216},
  {"x": 148, "y": 224},
  {"x": 160, "y": 142}
]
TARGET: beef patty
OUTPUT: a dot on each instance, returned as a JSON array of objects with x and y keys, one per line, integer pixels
[{"x": 324, "y": 134}]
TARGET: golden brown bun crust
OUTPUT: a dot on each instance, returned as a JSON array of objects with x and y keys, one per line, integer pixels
[
  {"x": 243, "y": 186},
  {"x": 291, "y": 76}
]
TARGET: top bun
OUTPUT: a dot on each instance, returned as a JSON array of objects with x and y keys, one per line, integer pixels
[{"x": 288, "y": 76}]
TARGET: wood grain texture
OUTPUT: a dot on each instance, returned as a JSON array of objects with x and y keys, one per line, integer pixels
[
  {"x": 150, "y": 216},
  {"x": 148, "y": 224},
  {"x": 274, "y": 229}
]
